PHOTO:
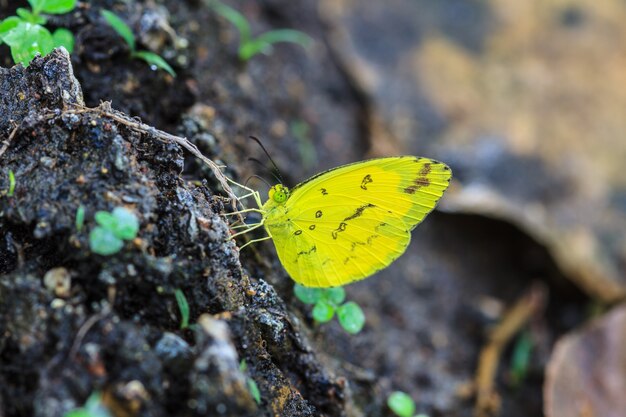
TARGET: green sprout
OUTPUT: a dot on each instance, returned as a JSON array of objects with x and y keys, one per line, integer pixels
[
  {"x": 520, "y": 358},
  {"x": 80, "y": 218},
  {"x": 327, "y": 302},
  {"x": 11, "y": 184},
  {"x": 402, "y": 405},
  {"x": 93, "y": 408},
  {"x": 126, "y": 33},
  {"x": 183, "y": 306},
  {"x": 115, "y": 227},
  {"x": 26, "y": 35},
  {"x": 249, "y": 46},
  {"x": 252, "y": 385}
]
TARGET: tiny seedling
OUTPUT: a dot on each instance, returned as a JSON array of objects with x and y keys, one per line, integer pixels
[
  {"x": 11, "y": 184},
  {"x": 402, "y": 405},
  {"x": 26, "y": 35},
  {"x": 80, "y": 218},
  {"x": 93, "y": 408},
  {"x": 126, "y": 33},
  {"x": 249, "y": 46},
  {"x": 328, "y": 301},
  {"x": 183, "y": 306},
  {"x": 115, "y": 227},
  {"x": 520, "y": 359},
  {"x": 252, "y": 385}
]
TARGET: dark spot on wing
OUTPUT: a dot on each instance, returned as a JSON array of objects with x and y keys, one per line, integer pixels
[
  {"x": 324, "y": 192},
  {"x": 306, "y": 252},
  {"x": 318, "y": 213},
  {"x": 345, "y": 261},
  {"x": 297, "y": 232},
  {"x": 358, "y": 212},
  {"x": 421, "y": 180},
  {"x": 366, "y": 180},
  {"x": 312, "y": 227},
  {"x": 341, "y": 228}
]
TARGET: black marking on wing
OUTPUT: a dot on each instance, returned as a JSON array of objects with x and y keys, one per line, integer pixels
[
  {"x": 358, "y": 212},
  {"x": 297, "y": 232},
  {"x": 318, "y": 214},
  {"x": 312, "y": 227},
  {"x": 366, "y": 180},
  {"x": 324, "y": 192},
  {"x": 306, "y": 252},
  {"x": 421, "y": 180},
  {"x": 367, "y": 242},
  {"x": 345, "y": 261},
  {"x": 341, "y": 228}
]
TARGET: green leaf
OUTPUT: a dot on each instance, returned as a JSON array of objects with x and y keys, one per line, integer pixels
[
  {"x": 8, "y": 24},
  {"x": 323, "y": 311},
  {"x": 249, "y": 49},
  {"x": 306, "y": 294},
  {"x": 93, "y": 408},
  {"x": 155, "y": 60},
  {"x": 335, "y": 295},
  {"x": 254, "y": 390},
  {"x": 401, "y": 404},
  {"x": 65, "y": 38},
  {"x": 29, "y": 17},
  {"x": 36, "y": 5},
  {"x": 520, "y": 359},
  {"x": 57, "y": 6},
  {"x": 236, "y": 18},
  {"x": 252, "y": 385},
  {"x": 183, "y": 306},
  {"x": 11, "y": 184},
  {"x": 103, "y": 242},
  {"x": 263, "y": 43},
  {"x": 126, "y": 224},
  {"x": 120, "y": 27},
  {"x": 351, "y": 317},
  {"x": 80, "y": 218},
  {"x": 27, "y": 40},
  {"x": 105, "y": 219}
]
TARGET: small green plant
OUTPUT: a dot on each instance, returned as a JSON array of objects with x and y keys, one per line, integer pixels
[
  {"x": 402, "y": 405},
  {"x": 11, "y": 184},
  {"x": 26, "y": 35},
  {"x": 80, "y": 218},
  {"x": 183, "y": 306},
  {"x": 126, "y": 33},
  {"x": 327, "y": 302},
  {"x": 115, "y": 227},
  {"x": 520, "y": 359},
  {"x": 249, "y": 46},
  {"x": 93, "y": 408},
  {"x": 252, "y": 385}
]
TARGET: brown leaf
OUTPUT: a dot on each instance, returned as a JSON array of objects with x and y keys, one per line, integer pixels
[{"x": 586, "y": 376}]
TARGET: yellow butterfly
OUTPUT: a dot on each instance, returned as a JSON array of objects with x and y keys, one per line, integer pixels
[{"x": 347, "y": 223}]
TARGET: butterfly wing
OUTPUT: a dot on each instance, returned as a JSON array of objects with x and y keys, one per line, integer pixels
[{"x": 347, "y": 223}]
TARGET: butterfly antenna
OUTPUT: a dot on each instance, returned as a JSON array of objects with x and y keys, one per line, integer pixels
[
  {"x": 272, "y": 172},
  {"x": 275, "y": 171},
  {"x": 258, "y": 177}
]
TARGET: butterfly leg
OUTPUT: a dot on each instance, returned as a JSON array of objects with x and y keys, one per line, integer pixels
[
  {"x": 255, "y": 226},
  {"x": 254, "y": 241},
  {"x": 252, "y": 193}
]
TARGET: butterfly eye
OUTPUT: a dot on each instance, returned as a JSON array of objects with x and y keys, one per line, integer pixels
[{"x": 279, "y": 193}]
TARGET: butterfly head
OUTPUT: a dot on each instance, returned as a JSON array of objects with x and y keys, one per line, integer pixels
[{"x": 278, "y": 193}]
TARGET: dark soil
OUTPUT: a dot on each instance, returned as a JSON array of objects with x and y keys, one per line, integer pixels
[{"x": 112, "y": 325}]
